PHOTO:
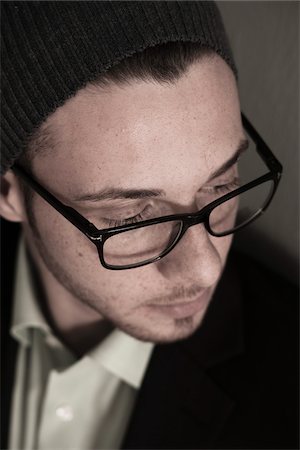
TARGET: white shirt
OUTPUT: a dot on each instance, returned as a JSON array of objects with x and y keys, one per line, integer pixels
[{"x": 60, "y": 402}]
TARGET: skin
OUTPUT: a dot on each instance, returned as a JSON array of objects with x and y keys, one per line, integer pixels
[{"x": 145, "y": 135}]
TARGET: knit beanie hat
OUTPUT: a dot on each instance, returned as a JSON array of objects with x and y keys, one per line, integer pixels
[{"x": 51, "y": 49}]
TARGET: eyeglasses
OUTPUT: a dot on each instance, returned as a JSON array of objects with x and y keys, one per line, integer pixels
[{"x": 137, "y": 244}]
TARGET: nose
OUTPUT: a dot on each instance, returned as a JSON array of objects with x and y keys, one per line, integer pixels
[{"x": 195, "y": 258}]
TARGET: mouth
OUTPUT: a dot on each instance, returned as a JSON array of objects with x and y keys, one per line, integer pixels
[{"x": 183, "y": 309}]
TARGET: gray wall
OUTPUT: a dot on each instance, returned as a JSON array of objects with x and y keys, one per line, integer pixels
[{"x": 264, "y": 36}]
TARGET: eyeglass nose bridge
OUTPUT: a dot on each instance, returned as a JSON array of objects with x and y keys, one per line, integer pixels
[{"x": 196, "y": 219}]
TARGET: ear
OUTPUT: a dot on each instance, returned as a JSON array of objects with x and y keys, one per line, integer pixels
[{"x": 11, "y": 198}]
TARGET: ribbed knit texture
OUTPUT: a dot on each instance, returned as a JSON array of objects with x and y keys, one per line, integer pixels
[{"x": 50, "y": 49}]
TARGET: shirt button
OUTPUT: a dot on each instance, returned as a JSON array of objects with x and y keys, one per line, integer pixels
[{"x": 65, "y": 413}]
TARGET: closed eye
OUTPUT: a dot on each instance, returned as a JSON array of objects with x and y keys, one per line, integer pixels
[
  {"x": 117, "y": 222},
  {"x": 222, "y": 189}
]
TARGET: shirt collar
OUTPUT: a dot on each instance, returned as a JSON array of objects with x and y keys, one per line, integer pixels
[
  {"x": 120, "y": 354},
  {"x": 26, "y": 312},
  {"x": 124, "y": 356}
]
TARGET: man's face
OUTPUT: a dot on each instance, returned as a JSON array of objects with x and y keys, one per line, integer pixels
[{"x": 143, "y": 136}]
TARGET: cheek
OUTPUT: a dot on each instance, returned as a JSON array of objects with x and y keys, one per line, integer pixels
[
  {"x": 222, "y": 245},
  {"x": 78, "y": 258}
]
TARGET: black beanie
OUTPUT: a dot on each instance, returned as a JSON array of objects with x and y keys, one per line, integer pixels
[{"x": 51, "y": 49}]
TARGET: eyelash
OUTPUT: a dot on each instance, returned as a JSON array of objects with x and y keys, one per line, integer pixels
[
  {"x": 225, "y": 188},
  {"x": 144, "y": 215}
]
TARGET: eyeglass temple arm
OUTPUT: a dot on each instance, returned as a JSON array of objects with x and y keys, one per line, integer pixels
[
  {"x": 69, "y": 213},
  {"x": 262, "y": 148}
]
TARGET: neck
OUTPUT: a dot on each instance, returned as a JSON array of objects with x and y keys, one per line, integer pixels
[{"x": 76, "y": 324}]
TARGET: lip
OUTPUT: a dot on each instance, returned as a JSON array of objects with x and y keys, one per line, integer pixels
[{"x": 184, "y": 309}]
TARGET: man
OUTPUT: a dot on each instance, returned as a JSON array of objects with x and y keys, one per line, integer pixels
[{"x": 132, "y": 334}]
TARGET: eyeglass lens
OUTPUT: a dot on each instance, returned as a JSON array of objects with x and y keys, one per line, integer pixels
[
  {"x": 240, "y": 210},
  {"x": 141, "y": 244}
]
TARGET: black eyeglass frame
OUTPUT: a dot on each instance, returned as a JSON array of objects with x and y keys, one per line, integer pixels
[{"x": 98, "y": 237}]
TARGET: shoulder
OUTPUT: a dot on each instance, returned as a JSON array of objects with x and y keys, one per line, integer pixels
[
  {"x": 270, "y": 304},
  {"x": 267, "y": 294},
  {"x": 264, "y": 377},
  {"x": 263, "y": 282}
]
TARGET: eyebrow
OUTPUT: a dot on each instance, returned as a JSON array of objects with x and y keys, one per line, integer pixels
[
  {"x": 243, "y": 146},
  {"x": 136, "y": 194},
  {"x": 116, "y": 194}
]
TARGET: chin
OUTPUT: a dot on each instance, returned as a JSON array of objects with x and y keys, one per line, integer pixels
[{"x": 159, "y": 333}]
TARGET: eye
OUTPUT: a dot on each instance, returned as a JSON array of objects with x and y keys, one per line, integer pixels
[
  {"x": 117, "y": 222},
  {"x": 222, "y": 189},
  {"x": 228, "y": 187}
]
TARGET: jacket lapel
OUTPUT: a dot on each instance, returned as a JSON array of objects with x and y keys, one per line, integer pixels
[{"x": 179, "y": 404}]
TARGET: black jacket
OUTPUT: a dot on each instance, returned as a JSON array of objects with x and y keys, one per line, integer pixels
[{"x": 233, "y": 384}]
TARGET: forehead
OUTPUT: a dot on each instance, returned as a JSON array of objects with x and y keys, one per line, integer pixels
[{"x": 132, "y": 134}]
